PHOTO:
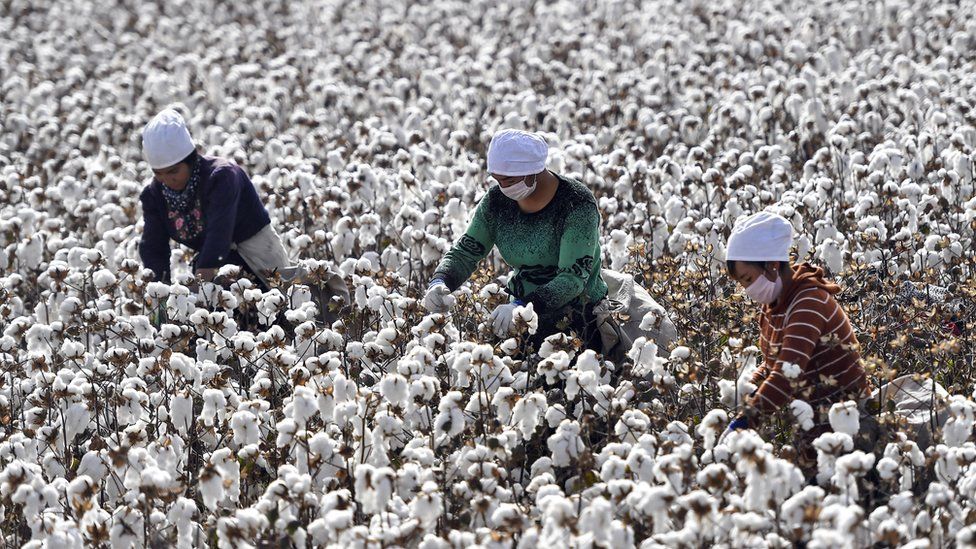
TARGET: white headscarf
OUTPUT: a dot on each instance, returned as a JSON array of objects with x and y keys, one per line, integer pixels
[
  {"x": 165, "y": 140},
  {"x": 517, "y": 153},
  {"x": 762, "y": 236}
]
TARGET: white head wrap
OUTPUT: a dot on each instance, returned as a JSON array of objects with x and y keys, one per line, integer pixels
[
  {"x": 517, "y": 153},
  {"x": 762, "y": 236},
  {"x": 165, "y": 140}
]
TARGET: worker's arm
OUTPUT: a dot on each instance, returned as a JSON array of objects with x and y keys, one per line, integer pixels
[
  {"x": 802, "y": 329},
  {"x": 154, "y": 245},
  {"x": 462, "y": 259}
]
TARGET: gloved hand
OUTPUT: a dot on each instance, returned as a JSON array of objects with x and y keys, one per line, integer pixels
[
  {"x": 738, "y": 423},
  {"x": 438, "y": 298},
  {"x": 502, "y": 318}
]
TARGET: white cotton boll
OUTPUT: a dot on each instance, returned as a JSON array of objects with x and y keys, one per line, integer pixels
[
  {"x": 304, "y": 405},
  {"x": 72, "y": 350},
  {"x": 887, "y": 468},
  {"x": 844, "y": 417},
  {"x": 652, "y": 319},
  {"x": 958, "y": 428},
  {"x": 395, "y": 390},
  {"x": 287, "y": 429},
  {"x": 553, "y": 366},
  {"x": 80, "y": 491},
  {"x": 181, "y": 514},
  {"x": 450, "y": 419},
  {"x": 245, "y": 427},
  {"x": 566, "y": 444},
  {"x": 712, "y": 426},
  {"x": 528, "y": 412},
  {"x": 103, "y": 279},
  {"x": 829, "y": 446},
  {"x": 503, "y": 400},
  {"x": 596, "y": 520},
  {"x": 211, "y": 487},
  {"x": 848, "y": 468},
  {"x": 792, "y": 370},
  {"x": 680, "y": 353},
  {"x": 63, "y": 534},
  {"x": 676, "y": 432},
  {"x": 181, "y": 412},
  {"x": 155, "y": 479},
  {"x": 733, "y": 394},
  {"x": 30, "y": 252},
  {"x": 525, "y": 318},
  {"x": 803, "y": 413},
  {"x": 632, "y": 425},
  {"x": 794, "y": 510},
  {"x": 76, "y": 420},
  {"x": 588, "y": 361},
  {"x": 647, "y": 363},
  {"x": 214, "y": 406},
  {"x": 427, "y": 505},
  {"x": 374, "y": 487},
  {"x": 620, "y": 242},
  {"x": 555, "y": 415}
]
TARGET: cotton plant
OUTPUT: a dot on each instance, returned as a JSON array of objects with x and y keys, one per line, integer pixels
[{"x": 233, "y": 414}]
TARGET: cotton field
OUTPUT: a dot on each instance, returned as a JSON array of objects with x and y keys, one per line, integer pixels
[{"x": 136, "y": 413}]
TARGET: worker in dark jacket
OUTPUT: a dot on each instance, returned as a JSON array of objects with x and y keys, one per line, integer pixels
[{"x": 208, "y": 204}]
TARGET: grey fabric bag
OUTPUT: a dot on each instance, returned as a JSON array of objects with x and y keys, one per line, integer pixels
[
  {"x": 620, "y": 314},
  {"x": 921, "y": 403},
  {"x": 265, "y": 254}
]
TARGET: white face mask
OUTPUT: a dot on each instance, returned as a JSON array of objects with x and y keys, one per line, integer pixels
[
  {"x": 764, "y": 290},
  {"x": 519, "y": 190}
]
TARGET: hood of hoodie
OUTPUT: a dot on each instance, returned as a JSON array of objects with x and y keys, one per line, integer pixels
[{"x": 805, "y": 276}]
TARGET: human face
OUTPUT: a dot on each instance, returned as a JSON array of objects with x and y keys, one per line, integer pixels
[
  {"x": 746, "y": 273},
  {"x": 174, "y": 177}
]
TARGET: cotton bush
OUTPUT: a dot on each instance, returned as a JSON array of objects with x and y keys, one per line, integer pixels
[{"x": 140, "y": 413}]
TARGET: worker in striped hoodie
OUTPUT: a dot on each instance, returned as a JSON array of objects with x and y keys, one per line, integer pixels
[{"x": 809, "y": 348}]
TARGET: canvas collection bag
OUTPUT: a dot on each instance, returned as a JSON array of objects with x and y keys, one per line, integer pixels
[
  {"x": 919, "y": 401},
  {"x": 620, "y": 314},
  {"x": 265, "y": 254}
]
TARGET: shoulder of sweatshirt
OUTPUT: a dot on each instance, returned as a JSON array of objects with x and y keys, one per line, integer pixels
[
  {"x": 151, "y": 191},
  {"x": 812, "y": 298},
  {"x": 575, "y": 192},
  {"x": 216, "y": 165}
]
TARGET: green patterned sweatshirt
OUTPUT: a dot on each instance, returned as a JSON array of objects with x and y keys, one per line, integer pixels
[{"x": 555, "y": 252}]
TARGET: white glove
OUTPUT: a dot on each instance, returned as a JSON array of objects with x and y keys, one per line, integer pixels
[
  {"x": 502, "y": 319},
  {"x": 438, "y": 298}
]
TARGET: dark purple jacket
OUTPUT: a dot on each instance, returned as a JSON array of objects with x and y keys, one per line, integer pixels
[{"x": 232, "y": 212}]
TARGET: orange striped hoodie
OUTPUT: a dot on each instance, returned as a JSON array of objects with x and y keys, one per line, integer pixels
[{"x": 807, "y": 327}]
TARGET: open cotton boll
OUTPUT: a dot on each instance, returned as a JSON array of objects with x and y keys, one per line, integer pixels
[
  {"x": 803, "y": 413},
  {"x": 848, "y": 468},
  {"x": 246, "y": 428},
  {"x": 374, "y": 487},
  {"x": 829, "y": 446},
  {"x": 450, "y": 417},
  {"x": 844, "y": 417},
  {"x": 712, "y": 426},
  {"x": 395, "y": 389},
  {"x": 214, "y": 406},
  {"x": 958, "y": 428},
  {"x": 734, "y": 393},
  {"x": 525, "y": 319},
  {"x": 566, "y": 444},
  {"x": 528, "y": 413},
  {"x": 647, "y": 363}
]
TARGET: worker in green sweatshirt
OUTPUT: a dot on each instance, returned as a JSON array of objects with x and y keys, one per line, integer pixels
[{"x": 546, "y": 227}]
